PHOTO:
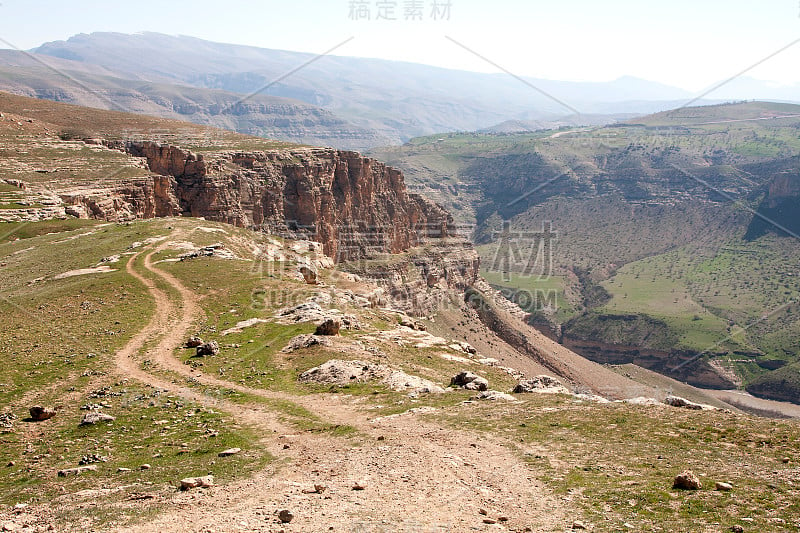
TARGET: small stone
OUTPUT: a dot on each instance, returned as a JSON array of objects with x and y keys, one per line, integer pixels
[
  {"x": 209, "y": 348},
  {"x": 358, "y": 486},
  {"x": 484, "y": 512},
  {"x": 687, "y": 480},
  {"x": 308, "y": 274},
  {"x": 194, "y": 342},
  {"x": 724, "y": 487},
  {"x": 122, "y": 469},
  {"x": 737, "y": 529},
  {"x": 502, "y": 519},
  {"x": 285, "y": 516},
  {"x": 40, "y": 414},
  {"x": 76, "y": 471},
  {"x": 10, "y": 464},
  {"x": 489, "y": 521},
  {"x": 786, "y": 460},
  {"x": 195, "y": 482},
  {"x": 577, "y": 524},
  {"x": 229, "y": 452},
  {"x": 145, "y": 467},
  {"x": 319, "y": 489},
  {"x": 10, "y": 526},
  {"x": 381, "y": 438},
  {"x": 329, "y": 328},
  {"x": 95, "y": 417}
]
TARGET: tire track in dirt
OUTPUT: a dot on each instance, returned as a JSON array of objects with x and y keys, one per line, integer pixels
[{"x": 417, "y": 476}]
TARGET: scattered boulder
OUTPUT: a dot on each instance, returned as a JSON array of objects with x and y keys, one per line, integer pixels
[
  {"x": 724, "y": 487},
  {"x": 687, "y": 480},
  {"x": 285, "y": 516},
  {"x": 494, "y": 395},
  {"x": 95, "y": 417},
  {"x": 341, "y": 373},
  {"x": 329, "y": 328},
  {"x": 76, "y": 471},
  {"x": 309, "y": 275},
  {"x": 359, "y": 486},
  {"x": 197, "y": 482},
  {"x": 542, "y": 384},
  {"x": 305, "y": 341},
  {"x": 229, "y": 452},
  {"x": 677, "y": 401},
  {"x": 409, "y": 322},
  {"x": 470, "y": 381},
  {"x": 39, "y": 413},
  {"x": 209, "y": 348},
  {"x": 145, "y": 467},
  {"x": 578, "y": 525},
  {"x": 194, "y": 342}
]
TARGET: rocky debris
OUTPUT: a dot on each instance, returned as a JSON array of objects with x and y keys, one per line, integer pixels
[
  {"x": 400, "y": 381},
  {"x": 285, "y": 516},
  {"x": 240, "y": 326},
  {"x": 209, "y": 348},
  {"x": 329, "y": 328},
  {"x": 687, "y": 480},
  {"x": 494, "y": 395},
  {"x": 305, "y": 341},
  {"x": 677, "y": 401},
  {"x": 461, "y": 346},
  {"x": 541, "y": 384},
  {"x": 578, "y": 525},
  {"x": 406, "y": 336},
  {"x": 312, "y": 312},
  {"x": 197, "y": 482},
  {"x": 39, "y": 413},
  {"x": 95, "y": 417},
  {"x": 309, "y": 274},
  {"x": 359, "y": 486},
  {"x": 407, "y": 321},
  {"x": 92, "y": 458},
  {"x": 104, "y": 392},
  {"x": 7, "y": 420},
  {"x": 470, "y": 381},
  {"x": 642, "y": 400},
  {"x": 77, "y": 471},
  {"x": 145, "y": 466},
  {"x": 737, "y": 529},
  {"x": 194, "y": 342},
  {"x": 341, "y": 373},
  {"x": 229, "y": 452},
  {"x": 214, "y": 250},
  {"x": 722, "y": 486}
]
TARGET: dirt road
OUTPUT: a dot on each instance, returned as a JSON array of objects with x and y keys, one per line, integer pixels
[{"x": 416, "y": 475}]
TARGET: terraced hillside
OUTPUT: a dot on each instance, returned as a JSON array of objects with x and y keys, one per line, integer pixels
[{"x": 685, "y": 219}]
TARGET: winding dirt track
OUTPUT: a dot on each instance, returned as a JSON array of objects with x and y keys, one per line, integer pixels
[{"x": 417, "y": 477}]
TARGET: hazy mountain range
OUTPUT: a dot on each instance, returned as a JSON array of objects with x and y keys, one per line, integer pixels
[{"x": 341, "y": 101}]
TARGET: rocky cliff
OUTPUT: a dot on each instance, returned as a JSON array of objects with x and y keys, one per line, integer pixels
[{"x": 353, "y": 205}]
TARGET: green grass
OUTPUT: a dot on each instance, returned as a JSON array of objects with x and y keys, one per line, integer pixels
[
  {"x": 617, "y": 462},
  {"x": 60, "y": 337}
]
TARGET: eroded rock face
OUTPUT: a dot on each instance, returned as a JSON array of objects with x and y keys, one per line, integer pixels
[{"x": 353, "y": 205}]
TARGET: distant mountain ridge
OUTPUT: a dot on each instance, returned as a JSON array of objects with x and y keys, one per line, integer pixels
[{"x": 398, "y": 100}]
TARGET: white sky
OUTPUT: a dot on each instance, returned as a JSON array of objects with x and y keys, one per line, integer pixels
[{"x": 690, "y": 44}]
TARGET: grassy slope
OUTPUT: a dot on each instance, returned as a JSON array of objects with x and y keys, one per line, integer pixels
[{"x": 704, "y": 280}]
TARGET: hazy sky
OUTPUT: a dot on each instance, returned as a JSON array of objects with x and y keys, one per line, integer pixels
[{"x": 687, "y": 43}]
